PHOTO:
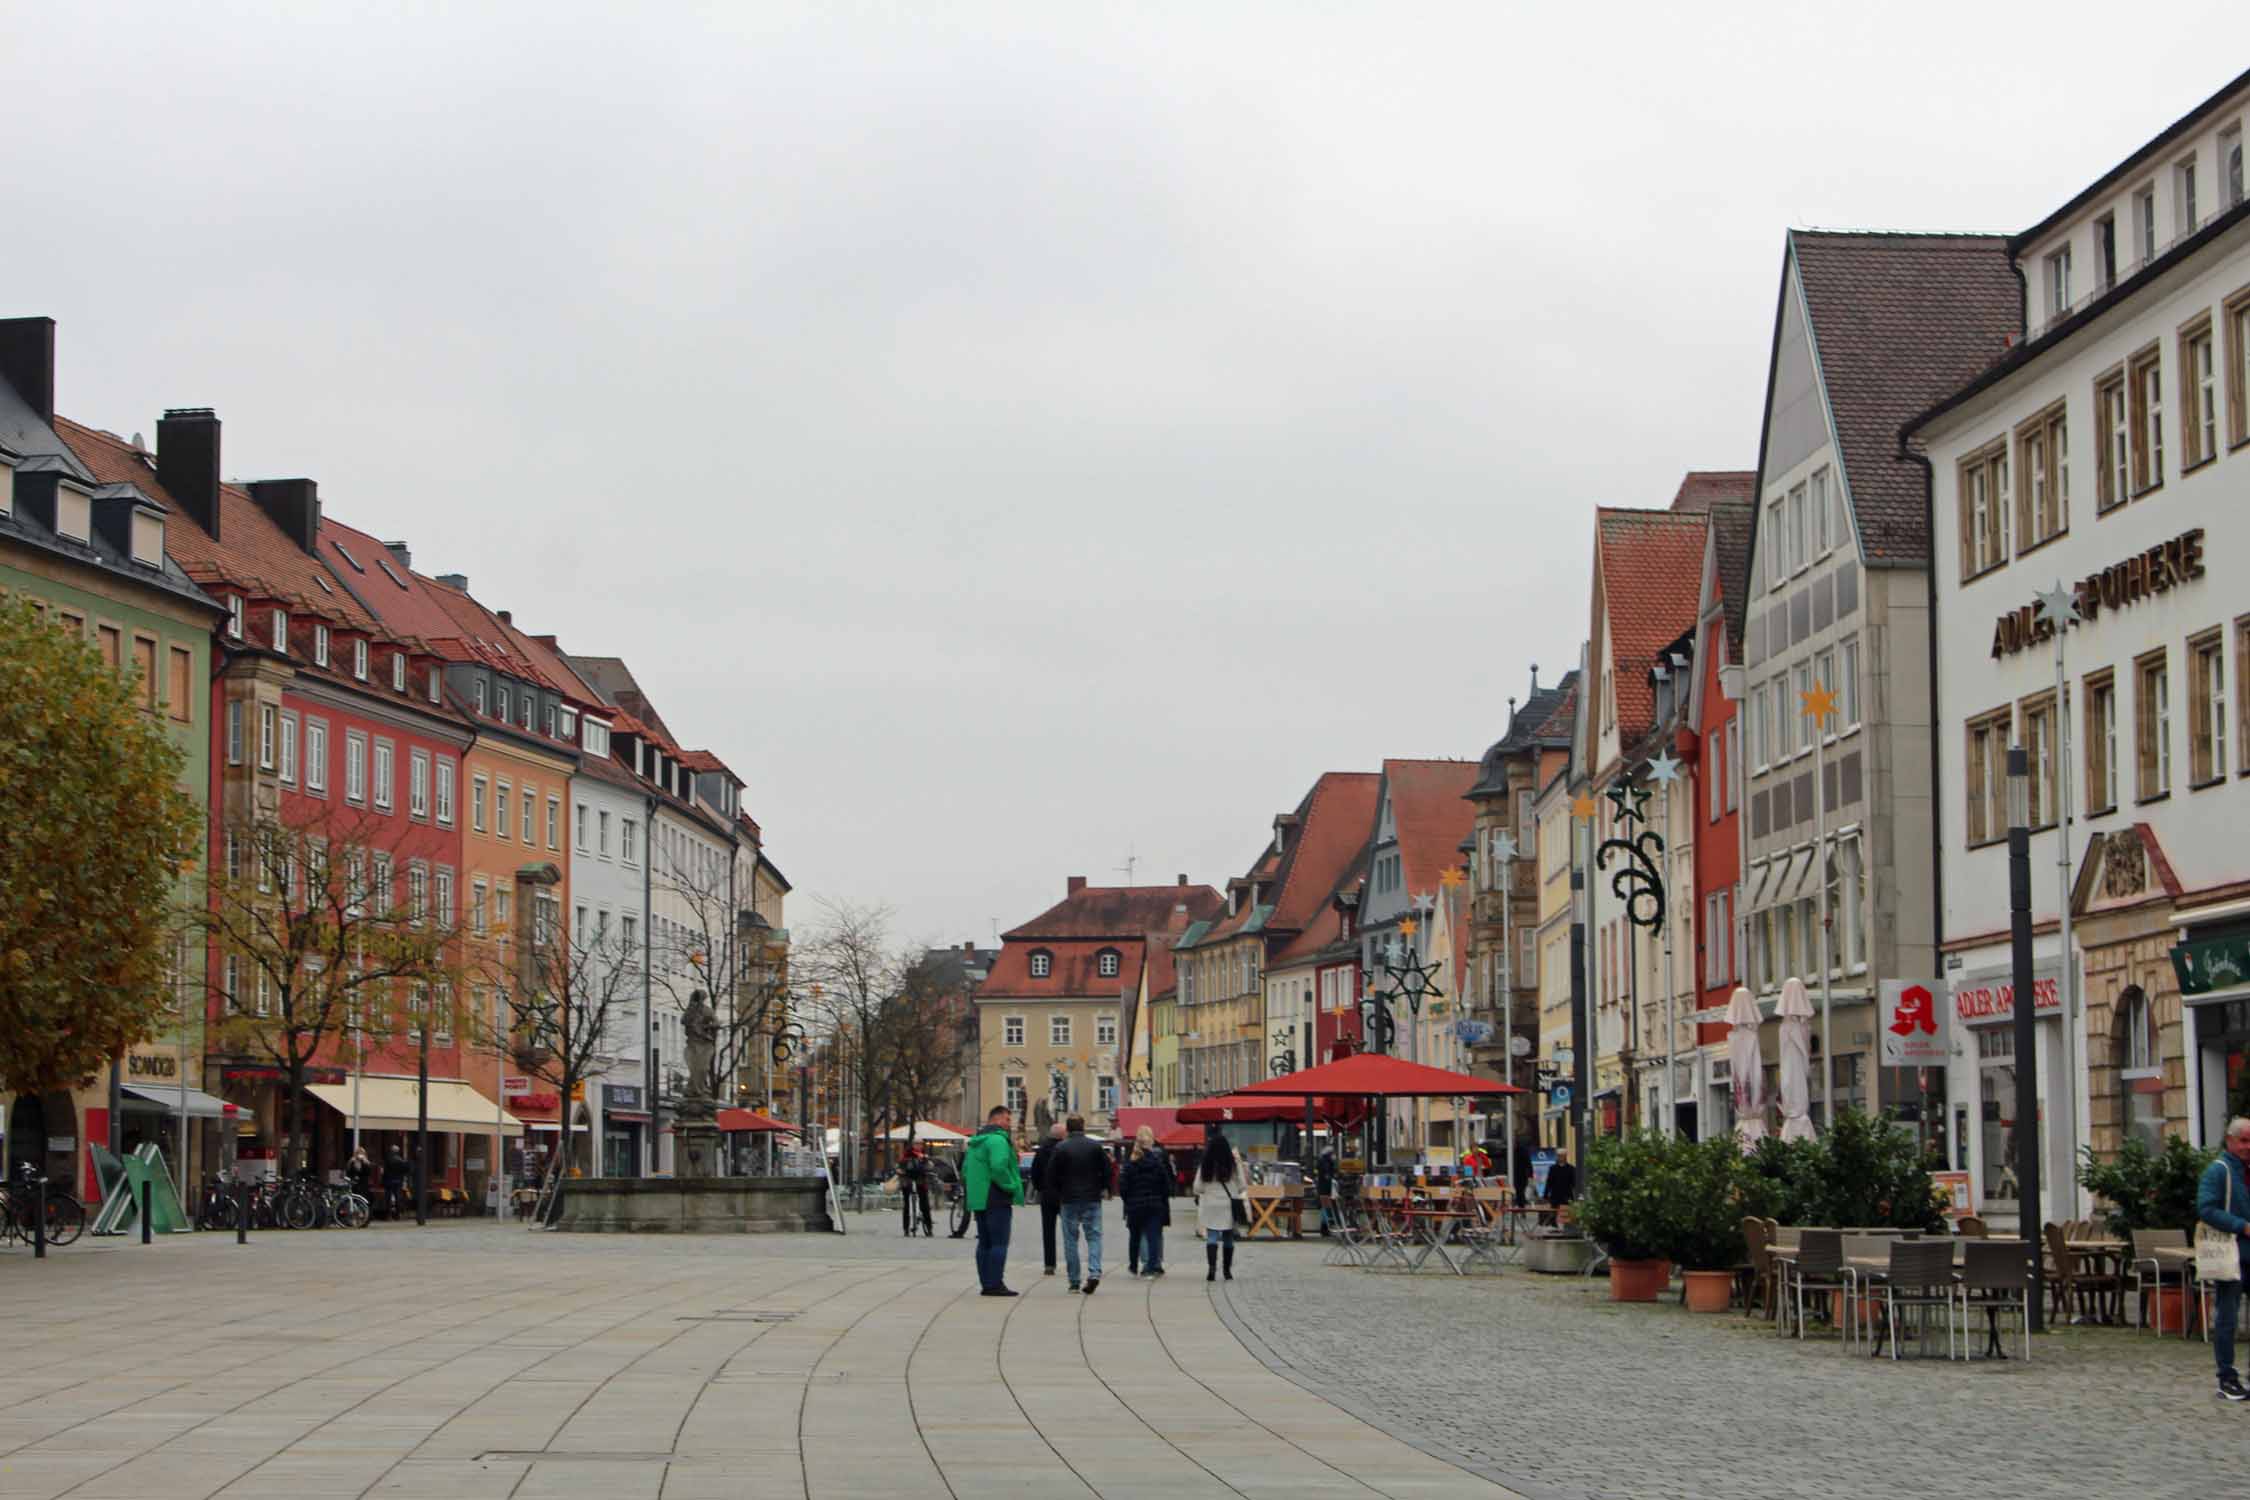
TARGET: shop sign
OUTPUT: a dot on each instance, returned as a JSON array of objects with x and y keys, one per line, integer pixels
[
  {"x": 2154, "y": 571},
  {"x": 260, "y": 1073},
  {"x": 62, "y": 1143},
  {"x": 1988, "y": 1002},
  {"x": 621, "y": 1096},
  {"x": 2212, "y": 964},
  {"x": 513, "y": 1086},
  {"x": 152, "y": 1065},
  {"x": 538, "y": 1101},
  {"x": 1913, "y": 1024}
]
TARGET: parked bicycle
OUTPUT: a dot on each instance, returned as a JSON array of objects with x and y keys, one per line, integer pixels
[{"x": 20, "y": 1209}]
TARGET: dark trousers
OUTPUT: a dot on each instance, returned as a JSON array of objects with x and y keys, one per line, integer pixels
[
  {"x": 1144, "y": 1239},
  {"x": 1050, "y": 1209},
  {"x": 994, "y": 1221},
  {"x": 2226, "y": 1314}
]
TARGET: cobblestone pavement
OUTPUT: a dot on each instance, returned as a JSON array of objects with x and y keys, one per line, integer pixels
[
  {"x": 1543, "y": 1383},
  {"x": 472, "y": 1360}
]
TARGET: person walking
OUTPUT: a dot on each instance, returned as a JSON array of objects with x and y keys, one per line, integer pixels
[
  {"x": 1562, "y": 1184},
  {"x": 2222, "y": 1201},
  {"x": 1050, "y": 1202},
  {"x": 1324, "y": 1183},
  {"x": 914, "y": 1188},
  {"x": 994, "y": 1186},
  {"x": 1219, "y": 1185},
  {"x": 1078, "y": 1176},
  {"x": 394, "y": 1182},
  {"x": 1146, "y": 1187}
]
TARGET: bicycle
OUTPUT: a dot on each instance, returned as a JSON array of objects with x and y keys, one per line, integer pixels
[
  {"x": 956, "y": 1209},
  {"x": 913, "y": 1194},
  {"x": 19, "y": 1209}
]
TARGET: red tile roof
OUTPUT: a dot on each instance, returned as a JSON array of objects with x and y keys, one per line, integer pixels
[
  {"x": 1703, "y": 486},
  {"x": 1119, "y": 911},
  {"x": 1651, "y": 565},
  {"x": 1075, "y": 974},
  {"x": 1899, "y": 321},
  {"x": 1333, "y": 823},
  {"x": 1430, "y": 807}
]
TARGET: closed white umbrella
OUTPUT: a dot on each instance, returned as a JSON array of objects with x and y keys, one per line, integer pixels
[
  {"x": 931, "y": 1132},
  {"x": 1796, "y": 1015},
  {"x": 1747, "y": 1068}
]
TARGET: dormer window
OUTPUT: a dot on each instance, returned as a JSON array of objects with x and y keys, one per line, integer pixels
[
  {"x": 435, "y": 681},
  {"x": 597, "y": 738},
  {"x": 398, "y": 671},
  {"x": 1042, "y": 964},
  {"x": 477, "y": 692},
  {"x": 281, "y": 631},
  {"x": 234, "y": 616},
  {"x": 148, "y": 538},
  {"x": 502, "y": 700},
  {"x": 550, "y": 720},
  {"x": 359, "y": 660},
  {"x": 320, "y": 645},
  {"x": 527, "y": 707},
  {"x": 570, "y": 725},
  {"x": 1108, "y": 962}
]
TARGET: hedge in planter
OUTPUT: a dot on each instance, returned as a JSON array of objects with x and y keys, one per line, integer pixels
[
  {"x": 1628, "y": 1207},
  {"x": 1862, "y": 1172},
  {"x": 2146, "y": 1189}
]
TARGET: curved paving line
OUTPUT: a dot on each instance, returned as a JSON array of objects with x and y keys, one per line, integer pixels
[
  {"x": 1287, "y": 1442},
  {"x": 1147, "y": 1290},
  {"x": 1000, "y": 1368},
  {"x": 912, "y": 1412},
  {"x": 804, "y": 1394},
  {"x": 1344, "y": 1399}
]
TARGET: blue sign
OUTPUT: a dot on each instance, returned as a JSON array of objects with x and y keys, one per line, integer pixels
[
  {"x": 1560, "y": 1093},
  {"x": 1540, "y": 1162}
]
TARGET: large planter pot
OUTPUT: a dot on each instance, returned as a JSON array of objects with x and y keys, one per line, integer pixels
[
  {"x": 2172, "y": 1310},
  {"x": 1709, "y": 1291},
  {"x": 1638, "y": 1280}
]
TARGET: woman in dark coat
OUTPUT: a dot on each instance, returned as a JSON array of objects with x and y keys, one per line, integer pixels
[{"x": 1146, "y": 1187}]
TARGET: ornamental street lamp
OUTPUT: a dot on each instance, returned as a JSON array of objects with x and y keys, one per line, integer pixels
[
  {"x": 1505, "y": 849},
  {"x": 1411, "y": 982},
  {"x": 1638, "y": 881},
  {"x": 2026, "y": 1135}
]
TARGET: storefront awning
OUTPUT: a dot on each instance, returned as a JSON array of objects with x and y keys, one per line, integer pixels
[
  {"x": 200, "y": 1106},
  {"x": 391, "y": 1104},
  {"x": 1761, "y": 874},
  {"x": 1800, "y": 877}
]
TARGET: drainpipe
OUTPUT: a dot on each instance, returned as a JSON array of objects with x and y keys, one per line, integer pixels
[{"x": 648, "y": 974}]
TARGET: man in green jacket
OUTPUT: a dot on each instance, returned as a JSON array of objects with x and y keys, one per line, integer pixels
[{"x": 994, "y": 1187}]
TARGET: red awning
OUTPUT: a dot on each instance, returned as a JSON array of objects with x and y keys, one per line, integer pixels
[
  {"x": 1240, "y": 1109},
  {"x": 1373, "y": 1074},
  {"x": 749, "y": 1119},
  {"x": 1180, "y": 1138}
]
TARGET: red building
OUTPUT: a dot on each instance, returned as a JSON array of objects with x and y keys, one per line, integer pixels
[{"x": 1714, "y": 751}]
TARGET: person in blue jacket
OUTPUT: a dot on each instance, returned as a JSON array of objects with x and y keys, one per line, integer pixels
[{"x": 2222, "y": 1200}]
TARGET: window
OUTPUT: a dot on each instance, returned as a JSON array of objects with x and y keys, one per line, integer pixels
[
  {"x": 417, "y": 893},
  {"x": 1715, "y": 775},
  {"x": 288, "y": 768},
  {"x": 629, "y": 936},
  {"x": 2101, "y": 744},
  {"x": 601, "y": 842},
  {"x": 2230, "y": 166},
  {"x": 2199, "y": 396},
  {"x": 477, "y": 917},
  {"x": 2238, "y": 367},
  {"x": 1058, "y": 1031},
  {"x": 1105, "y": 1093},
  {"x": 445, "y": 793},
  {"x": 398, "y": 671},
  {"x": 1107, "y": 963},
  {"x": 554, "y": 822},
  {"x": 2043, "y": 751},
  {"x": 1800, "y": 549},
  {"x": 630, "y": 840},
  {"x": 502, "y": 711},
  {"x": 2113, "y": 442},
  {"x": 548, "y": 718},
  {"x": 355, "y": 767},
  {"x": 2144, "y": 223},
  {"x": 2105, "y": 252},
  {"x": 570, "y": 725},
  {"x": 477, "y": 788},
  {"x": 2147, "y": 380},
  {"x": 476, "y": 693},
  {"x": 2183, "y": 198},
  {"x": 583, "y": 823},
  {"x": 530, "y": 814},
  {"x": 1846, "y": 685},
  {"x": 1987, "y": 770},
  {"x": 1777, "y": 546},
  {"x": 2043, "y": 478},
  {"x": 264, "y": 991},
  {"x": 1848, "y": 874},
  {"x": 1984, "y": 510},
  {"x": 267, "y": 734},
  {"x": 430, "y": 687},
  {"x": 529, "y": 701},
  {"x": 2152, "y": 725},
  {"x": 383, "y": 774},
  {"x": 281, "y": 631},
  {"x": 1797, "y": 704},
  {"x": 500, "y": 803},
  {"x": 2207, "y": 709},
  {"x": 597, "y": 738},
  {"x": 380, "y": 893},
  {"x": 1828, "y": 520},
  {"x": 1016, "y": 1097},
  {"x": 180, "y": 686},
  {"x": 359, "y": 660},
  {"x": 1011, "y": 1031},
  {"x": 1784, "y": 722},
  {"x": 1042, "y": 964},
  {"x": 316, "y": 757},
  {"x": 418, "y": 783},
  {"x": 442, "y": 894},
  {"x": 1105, "y": 1031},
  {"x": 1734, "y": 762},
  {"x": 1824, "y": 674},
  {"x": 2058, "y": 283},
  {"x": 234, "y": 616},
  {"x": 1761, "y": 740}
]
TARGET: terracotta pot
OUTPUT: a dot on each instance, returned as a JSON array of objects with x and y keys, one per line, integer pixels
[
  {"x": 2172, "y": 1308},
  {"x": 1638, "y": 1280},
  {"x": 1709, "y": 1291}
]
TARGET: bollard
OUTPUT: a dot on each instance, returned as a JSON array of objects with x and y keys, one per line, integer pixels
[
  {"x": 148, "y": 1198},
  {"x": 242, "y": 1213},
  {"x": 39, "y": 1221}
]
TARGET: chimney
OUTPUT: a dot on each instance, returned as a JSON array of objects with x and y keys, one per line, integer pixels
[
  {"x": 27, "y": 362},
  {"x": 550, "y": 642},
  {"x": 400, "y": 554},
  {"x": 506, "y": 618},
  {"x": 455, "y": 581},
  {"x": 1077, "y": 884},
  {"x": 1182, "y": 880},
  {"x": 187, "y": 462},
  {"x": 970, "y": 948},
  {"x": 293, "y": 505}
]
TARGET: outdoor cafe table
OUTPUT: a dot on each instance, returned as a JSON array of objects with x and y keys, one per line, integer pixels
[
  {"x": 1274, "y": 1210},
  {"x": 1431, "y": 1227},
  {"x": 2107, "y": 1257}
]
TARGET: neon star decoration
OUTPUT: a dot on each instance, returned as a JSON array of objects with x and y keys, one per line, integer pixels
[
  {"x": 2058, "y": 607},
  {"x": 1820, "y": 704},
  {"x": 1452, "y": 875},
  {"x": 1582, "y": 808},
  {"x": 1639, "y": 881},
  {"x": 1630, "y": 799},
  {"x": 1664, "y": 770},
  {"x": 1409, "y": 927}
]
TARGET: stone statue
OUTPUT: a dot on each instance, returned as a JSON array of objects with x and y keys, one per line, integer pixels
[{"x": 700, "y": 1024}]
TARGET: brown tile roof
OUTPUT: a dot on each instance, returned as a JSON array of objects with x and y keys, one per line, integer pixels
[
  {"x": 1733, "y": 525},
  {"x": 1703, "y": 486},
  {"x": 1899, "y": 321},
  {"x": 1119, "y": 912},
  {"x": 1334, "y": 820},
  {"x": 1076, "y": 971},
  {"x": 1652, "y": 579},
  {"x": 1430, "y": 809}
]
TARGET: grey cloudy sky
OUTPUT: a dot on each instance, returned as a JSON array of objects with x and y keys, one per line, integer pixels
[{"x": 1013, "y": 435}]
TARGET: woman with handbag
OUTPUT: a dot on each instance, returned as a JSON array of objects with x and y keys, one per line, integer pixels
[
  {"x": 2222, "y": 1248},
  {"x": 1146, "y": 1187},
  {"x": 1219, "y": 1209}
]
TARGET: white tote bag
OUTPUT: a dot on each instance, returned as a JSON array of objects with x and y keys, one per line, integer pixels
[{"x": 2218, "y": 1256}]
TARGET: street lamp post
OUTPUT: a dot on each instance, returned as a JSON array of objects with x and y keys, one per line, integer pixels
[
  {"x": 1409, "y": 981},
  {"x": 2026, "y": 1135},
  {"x": 1505, "y": 849}
]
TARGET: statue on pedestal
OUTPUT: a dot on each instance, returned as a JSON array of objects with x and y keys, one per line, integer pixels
[{"x": 700, "y": 1025}]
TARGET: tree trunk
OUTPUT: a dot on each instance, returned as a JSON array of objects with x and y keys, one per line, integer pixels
[
  {"x": 422, "y": 1122},
  {"x": 296, "y": 1116}
]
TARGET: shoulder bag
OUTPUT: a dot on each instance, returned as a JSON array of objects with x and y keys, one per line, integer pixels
[
  {"x": 1238, "y": 1208},
  {"x": 2218, "y": 1255}
]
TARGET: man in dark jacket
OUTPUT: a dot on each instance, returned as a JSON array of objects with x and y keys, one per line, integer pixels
[
  {"x": 1324, "y": 1183},
  {"x": 394, "y": 1183},
  {"x": 1050, "y": 1206},
  {"x": 1078, "y": 1175},
  {"x": 1562, "y": 1182}
]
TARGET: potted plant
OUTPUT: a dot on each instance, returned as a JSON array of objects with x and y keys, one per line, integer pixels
[
  {"x": 1705, "y": 1179},
  {"x": 1628, "y": 1209},
  {"x": 2149, "y": 1190}
]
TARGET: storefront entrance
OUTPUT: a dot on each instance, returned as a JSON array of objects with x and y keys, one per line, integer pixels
[{"x": 2222, "y": 1049}]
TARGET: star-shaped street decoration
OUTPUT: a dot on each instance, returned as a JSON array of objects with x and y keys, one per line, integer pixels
[
  {"x": 2058, "y": 607},
  {"x": 1582, "y": 808},
  {"x": 1505, "y": 847},
  {"x": 1820, "y": 704},
  {"x": 1409, "y": 927},
  {"x": 1630, "y": 799},
  {"x": 1451, "y": 875},
  {"x": 1664, "y": 769}
]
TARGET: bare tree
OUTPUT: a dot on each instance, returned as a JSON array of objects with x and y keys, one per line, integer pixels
[
  {"x": 723, "y": 949},
  {"x": 852, "y": 974},
  {"x": 923, "y": 1037}
]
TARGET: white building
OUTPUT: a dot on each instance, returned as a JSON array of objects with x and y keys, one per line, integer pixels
[{"x": 2108, "y": 455}]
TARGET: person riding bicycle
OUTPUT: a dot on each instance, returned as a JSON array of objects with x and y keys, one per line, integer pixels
[
  {"x": 394, "y": 1183},
  {"x": 914, "y": 1187}
]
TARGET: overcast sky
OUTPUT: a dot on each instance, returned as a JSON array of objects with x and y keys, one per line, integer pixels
[{"x": 1014, "y": 436}]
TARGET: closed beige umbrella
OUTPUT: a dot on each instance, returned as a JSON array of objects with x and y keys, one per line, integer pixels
[
  {"x": 1747, "y": 1067},
  {"x": 1796, "y": 1015}
]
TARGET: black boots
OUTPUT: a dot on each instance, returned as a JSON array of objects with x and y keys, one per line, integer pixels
[
  {"x": 1211, "y": 1257},
  {"x": 1230, "y": 1260}
]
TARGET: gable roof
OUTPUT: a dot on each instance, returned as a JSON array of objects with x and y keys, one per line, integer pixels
[
  {"x": 1542, "y": 721},
  {"x": 1116, "y": 912},
  {"x": 1898, "y": 321},
  {"x": 1652, "y": 582},
  {"x": 1332, "y": 826},
  {"x": 1733, "y": 524},
  {"x": 1430, "y": 815},
  {"x": 1699, "y": 488}
]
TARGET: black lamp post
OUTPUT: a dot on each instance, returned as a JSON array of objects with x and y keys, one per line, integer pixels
[
  {"x": 1411, "y": 981},
  {"x": 2025, "y": 1138}
]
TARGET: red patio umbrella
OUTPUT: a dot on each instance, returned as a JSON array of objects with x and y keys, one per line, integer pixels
[
  {"x": 1375, "y": 1075},
  {"x": 1237, "y": 1109},
  {"x": 749, "y": 1119}
]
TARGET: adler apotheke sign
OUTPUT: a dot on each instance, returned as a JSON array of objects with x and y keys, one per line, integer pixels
[
  {"x": 2156, "y": 570},
  {"x": 1988, "y": 1002}
]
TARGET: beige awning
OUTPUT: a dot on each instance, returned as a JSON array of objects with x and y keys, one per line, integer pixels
[{"x": 391, "y": 1104}]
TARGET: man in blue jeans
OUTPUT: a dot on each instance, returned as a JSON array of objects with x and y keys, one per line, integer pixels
[
  {"x": 994, "y": 1186},
  {"x": 1078, "y": 1174},
  {"x": 2222, "y": 1200}
]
